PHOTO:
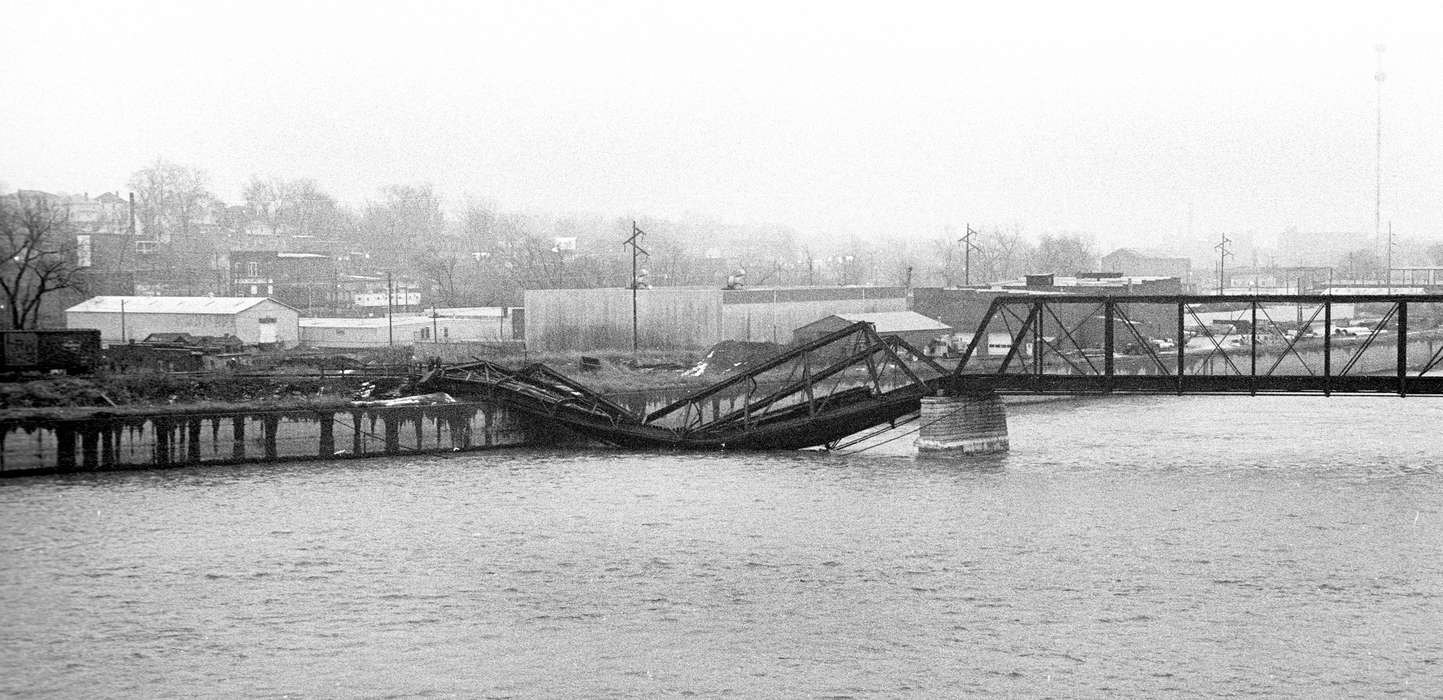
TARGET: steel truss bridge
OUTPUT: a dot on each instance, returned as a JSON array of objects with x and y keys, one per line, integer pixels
[
  {"x": 854, "y": 380},
  {"x": 1205, "y": 344}
]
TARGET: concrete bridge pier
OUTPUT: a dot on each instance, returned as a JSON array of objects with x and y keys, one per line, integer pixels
[{"x": 970, "y": 424}]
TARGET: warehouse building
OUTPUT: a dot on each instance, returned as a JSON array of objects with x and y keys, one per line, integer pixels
[
  {"x": 255, "y": 320},
  {"x": 454, "y": 325}
]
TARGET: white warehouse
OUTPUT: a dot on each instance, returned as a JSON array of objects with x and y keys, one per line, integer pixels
[{"x": 255, "y": 320}]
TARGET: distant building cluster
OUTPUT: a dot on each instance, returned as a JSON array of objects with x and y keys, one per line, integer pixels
[{"x": 298, "y": 273}]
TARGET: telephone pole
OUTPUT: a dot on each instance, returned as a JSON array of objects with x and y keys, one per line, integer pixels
[
  {"x": 1380, "y": 76},
  {"x": 967, "y": 247},
  {"x": 636, "y": 252},
  {"x": 1223, "y": 254},
  {"x": 1391, "y": 246}
]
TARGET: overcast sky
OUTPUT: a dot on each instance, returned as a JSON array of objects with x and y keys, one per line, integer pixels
[{"x": 833, "y": 118}]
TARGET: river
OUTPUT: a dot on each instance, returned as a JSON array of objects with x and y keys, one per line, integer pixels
[{"x": 1141, "y": 546}]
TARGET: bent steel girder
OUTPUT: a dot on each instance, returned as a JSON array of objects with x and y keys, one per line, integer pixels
[
  {"x": 751, "y": 372},
  {"x": 754, "y": 410}
]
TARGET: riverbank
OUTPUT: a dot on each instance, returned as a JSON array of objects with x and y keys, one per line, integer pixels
[{"x": 148, "y": 393}]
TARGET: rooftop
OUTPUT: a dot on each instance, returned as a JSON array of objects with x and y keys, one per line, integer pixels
[
  {"x": 381, "y": 322},
  {"x": 169, "y": 305},
  {"x": 896, "y": 321}
]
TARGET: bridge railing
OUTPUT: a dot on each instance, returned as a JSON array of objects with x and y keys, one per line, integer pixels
[{"x": 1207, "y": 344}]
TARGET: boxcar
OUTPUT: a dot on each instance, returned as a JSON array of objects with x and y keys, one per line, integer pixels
[{"x": 74, "y": 351}]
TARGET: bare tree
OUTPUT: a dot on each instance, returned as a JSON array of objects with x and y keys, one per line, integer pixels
[
  {"x": 1002, "y": 255},
  {"x": 1435, "y": 253},
  {"x": 947, "y": 260},
  {"x": 1063, "y": 254},
  {"x": 408, "y": 216},
  {"x": 37, "y": 254},
  {"x": 478, "y": 226},
  {"x": 440, "y": 269},
  {"x": 170, "y": 199},
  {"x": 293, "y": 207}
]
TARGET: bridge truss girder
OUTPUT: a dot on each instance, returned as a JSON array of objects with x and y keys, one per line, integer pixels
[{"x": 1055, "y": 346}]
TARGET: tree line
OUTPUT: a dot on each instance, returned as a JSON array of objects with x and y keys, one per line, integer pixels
[{"x": 483, "y": 255}]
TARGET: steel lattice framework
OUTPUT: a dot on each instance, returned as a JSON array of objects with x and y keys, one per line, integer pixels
[{"x": 1077, "y": 344}]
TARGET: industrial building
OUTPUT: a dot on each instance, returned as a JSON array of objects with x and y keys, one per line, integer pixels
[
  {"x": 963, "y": 308},
  {"x": 916, "y": 329},
  {"x": 688, "y": 317},
  {"x": 1135, "y": 263},
  {"x": 255, "y": 320},
  {"x": 345, "y": 333},
  {"x": 462, "y": 324}
]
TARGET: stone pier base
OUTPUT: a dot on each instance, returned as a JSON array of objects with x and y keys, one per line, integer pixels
[{"x": 963, "y": 425}]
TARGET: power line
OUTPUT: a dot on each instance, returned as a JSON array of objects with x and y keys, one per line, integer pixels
[
  {"x": 1223, "y": 254},
  {"x": 636, "y": 251},
  {"x": 967, "y": 247}
]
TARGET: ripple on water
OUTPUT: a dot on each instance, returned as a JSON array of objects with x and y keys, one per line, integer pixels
[{"x": 1140, "y": 547}]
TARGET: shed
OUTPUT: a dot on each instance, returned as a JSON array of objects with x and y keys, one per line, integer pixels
[
  {"x": 911, "y": 326},
  {"x": 255, "y": 320}
]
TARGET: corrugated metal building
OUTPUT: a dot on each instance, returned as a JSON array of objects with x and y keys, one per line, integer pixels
[
  {"x": 460, "y": 324},
  {"x": 770, "y": 315},
  {"x": 910, "y": 326},
  {"x": 255, "y": 320},
  {"x": 365, "y": 332},
  {"x": 671, "y": 318},
  {"x": 488, "y": 323}
]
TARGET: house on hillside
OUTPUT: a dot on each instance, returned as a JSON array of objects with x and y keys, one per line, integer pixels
[{"x": 302, "y": 280}]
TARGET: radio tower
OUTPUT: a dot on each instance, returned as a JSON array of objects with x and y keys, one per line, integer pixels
[{"x": 1380, "y": 76}]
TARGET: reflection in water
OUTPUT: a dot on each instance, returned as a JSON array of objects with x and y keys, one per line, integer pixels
[{"x": 1140, "y": 547}]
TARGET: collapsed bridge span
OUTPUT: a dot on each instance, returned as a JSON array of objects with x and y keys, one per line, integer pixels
[{"x": 809, "y": 395}]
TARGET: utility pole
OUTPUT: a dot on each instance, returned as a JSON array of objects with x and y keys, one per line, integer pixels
[
  {"x": 636, "y": 251},
  {"x": 390, "y": 324},
  {"x": 128, "y": 244},
  {"x": 1380, "y": 76},
  {"x": 967, "y": 247},
  {"x": 1223, "y": 254},
  {"x": 1391, "y": 245}
]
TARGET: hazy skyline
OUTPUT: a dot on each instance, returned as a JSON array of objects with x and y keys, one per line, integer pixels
[{"x": 1112, "y": 120}]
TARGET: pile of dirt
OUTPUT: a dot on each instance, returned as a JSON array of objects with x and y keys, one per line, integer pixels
[{"x": 731, "y": 356}]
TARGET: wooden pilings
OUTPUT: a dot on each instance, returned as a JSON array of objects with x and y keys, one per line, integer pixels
[{"x": 180, "y": 439}]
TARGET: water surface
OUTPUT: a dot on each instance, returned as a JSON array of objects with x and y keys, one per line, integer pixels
[{"x": 1131, "y": 546}]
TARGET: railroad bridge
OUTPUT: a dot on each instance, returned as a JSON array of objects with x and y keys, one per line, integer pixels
[
  {"x": 1190, "y": 344},
  {"x": 830, "y": 390},
  {"x": 1212, "y": 344}
]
